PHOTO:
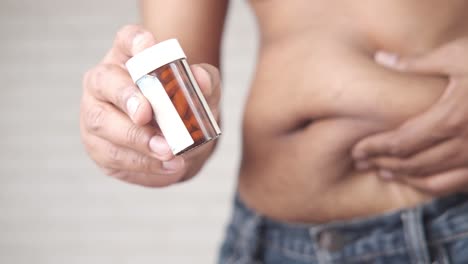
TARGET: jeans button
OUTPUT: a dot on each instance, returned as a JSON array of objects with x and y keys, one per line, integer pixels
[{"x": 330, "y": 240}]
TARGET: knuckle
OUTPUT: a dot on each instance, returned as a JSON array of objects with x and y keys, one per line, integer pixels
[
  {"x": 144, "y": 163},
  {"x": 114, "y": 155},
  {"x": 134, "y": 135},
  {"x": 105, "y": 75},
  {"x": 94, "y": 117},
  {"x": 99, "y": 77}
]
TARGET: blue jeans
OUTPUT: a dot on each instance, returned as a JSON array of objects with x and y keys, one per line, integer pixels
[{"x": 436, "y": 232}]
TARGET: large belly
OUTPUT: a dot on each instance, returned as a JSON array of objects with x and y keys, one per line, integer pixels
[{"x": 313, "y": 98}]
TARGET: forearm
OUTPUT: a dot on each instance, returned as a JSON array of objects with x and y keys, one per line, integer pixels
[{"x": 197, "y": 24}]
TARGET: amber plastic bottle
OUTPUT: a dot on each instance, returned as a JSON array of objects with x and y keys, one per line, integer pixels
[{"x": 180, "y": 110}]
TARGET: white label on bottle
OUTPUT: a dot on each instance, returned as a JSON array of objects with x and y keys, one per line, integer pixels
[{"x": 172, "y": 126}]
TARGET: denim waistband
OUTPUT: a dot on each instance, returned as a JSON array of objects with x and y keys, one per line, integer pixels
[{"x": 439, "y": 221}]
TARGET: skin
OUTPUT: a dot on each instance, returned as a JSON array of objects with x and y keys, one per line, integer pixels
[
  {"x": 320, "y": 92},
  {"x": 434, "y": 162},
  {"x": 297, "y": 162},
  {"x": 115, "y": 117}
]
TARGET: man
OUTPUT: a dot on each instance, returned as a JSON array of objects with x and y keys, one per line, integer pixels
[{"x": 351, "y": 153}]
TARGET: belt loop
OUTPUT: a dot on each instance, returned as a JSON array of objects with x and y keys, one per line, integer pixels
[
  {"x": 320, "y": 240},
  {"x": 251, "y": 240},
  {"x": 413, "y": 227}
]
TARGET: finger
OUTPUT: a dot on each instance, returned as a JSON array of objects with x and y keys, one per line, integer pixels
[
  {"x": 129, "y": 41},
  {"x": 446, "y": 60},
  {"x": 109, "y": 155},
  {"x": 440, "y": 184},
  {"x": 134, "y": 167},
  {"x": 105, "y": 121},
  {"x": 431, "y": 63},
  {"x": 439, "y": 158},
  {"x": 413, "y": 136},
  {"x": 110, "y": 83},
  {"x": 208, "y": 78},
  {"x": 146, "y": 179}
]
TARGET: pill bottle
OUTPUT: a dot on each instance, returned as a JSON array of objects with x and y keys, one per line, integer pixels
[{"x": 164, "y": 77}]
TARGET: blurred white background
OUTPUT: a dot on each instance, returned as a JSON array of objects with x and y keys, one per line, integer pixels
[{"x": 55, "y": 206}]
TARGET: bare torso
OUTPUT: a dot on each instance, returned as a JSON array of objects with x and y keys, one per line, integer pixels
[{"x": 317, "y": 91}]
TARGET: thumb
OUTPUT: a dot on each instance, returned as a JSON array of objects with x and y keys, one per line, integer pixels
[{"x": 129, "y": 41}]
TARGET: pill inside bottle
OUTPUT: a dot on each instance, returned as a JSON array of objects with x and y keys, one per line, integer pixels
[{"x": 180, "y": 110}]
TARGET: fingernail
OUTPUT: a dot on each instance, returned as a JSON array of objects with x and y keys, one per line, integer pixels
[
  {"x": 173, "y": 164},
  {"x": 386, "y": 58},
  {"x": 362, "y": 165},
  {"x": 132, "y": 105},
  {"x": 159, "y": 146},
  {"x": 386, "y": 175},
  {"x": 138, "y": 41}
]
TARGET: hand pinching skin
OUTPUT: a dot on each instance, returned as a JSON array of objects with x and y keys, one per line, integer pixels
[{"x": 428, "y": 151}]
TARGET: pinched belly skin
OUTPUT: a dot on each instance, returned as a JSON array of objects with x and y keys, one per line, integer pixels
[{"x": 310, "y": 103}]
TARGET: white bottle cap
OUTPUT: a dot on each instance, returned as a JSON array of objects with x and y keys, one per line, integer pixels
[{"x": 154, "y": 57}]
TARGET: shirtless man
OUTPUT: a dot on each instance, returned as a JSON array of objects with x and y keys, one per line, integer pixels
[{"x": 321, "y": 91}]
